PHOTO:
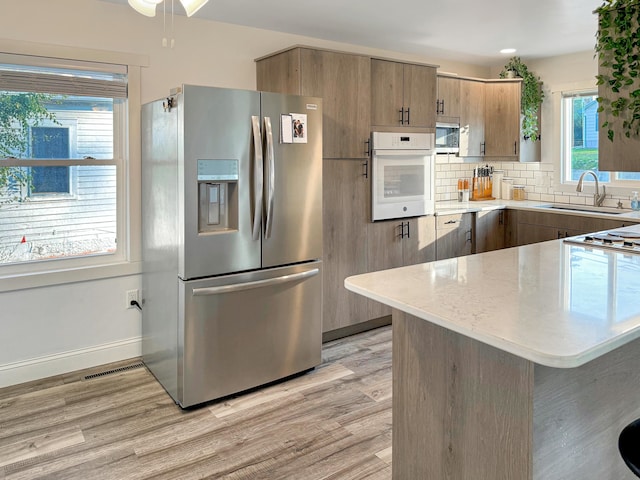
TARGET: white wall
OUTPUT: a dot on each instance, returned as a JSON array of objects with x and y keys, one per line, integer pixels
[{"x": 50, "y": 330}]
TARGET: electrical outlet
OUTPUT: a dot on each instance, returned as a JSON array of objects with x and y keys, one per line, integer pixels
[{"x": 132, "y": 295}]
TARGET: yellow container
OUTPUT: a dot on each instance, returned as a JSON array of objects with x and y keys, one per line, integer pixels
[{"x": 518, "y": 192}]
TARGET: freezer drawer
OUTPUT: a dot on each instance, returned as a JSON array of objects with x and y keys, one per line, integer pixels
[{"x": 240, "y": 331}]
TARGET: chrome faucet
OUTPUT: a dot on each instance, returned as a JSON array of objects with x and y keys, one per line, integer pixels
[{"x": 597, "y": 198}]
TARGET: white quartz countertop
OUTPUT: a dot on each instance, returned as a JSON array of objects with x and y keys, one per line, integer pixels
[
  {"x": 453, "y": 207},
  {"x": 553, "y": 303}
]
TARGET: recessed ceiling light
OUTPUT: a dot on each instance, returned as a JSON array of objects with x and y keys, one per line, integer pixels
[{"x": 508, "y": 50}]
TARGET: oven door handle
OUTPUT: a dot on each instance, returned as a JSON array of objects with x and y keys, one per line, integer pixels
[{"x": 402, "y": 153}]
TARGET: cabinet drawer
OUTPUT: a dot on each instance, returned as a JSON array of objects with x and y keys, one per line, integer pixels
[{"x": 444, "y": 222}]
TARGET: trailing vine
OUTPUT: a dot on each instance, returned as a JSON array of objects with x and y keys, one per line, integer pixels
[
  {"x": 618, "y": 51},
  {"x": 531, "y": 99}
]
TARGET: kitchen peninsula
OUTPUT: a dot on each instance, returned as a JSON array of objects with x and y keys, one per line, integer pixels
[{"x": 514, "y": 364}]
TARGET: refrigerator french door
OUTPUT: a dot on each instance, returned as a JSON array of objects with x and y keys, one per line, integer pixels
[{"x": 232, "y": 238}]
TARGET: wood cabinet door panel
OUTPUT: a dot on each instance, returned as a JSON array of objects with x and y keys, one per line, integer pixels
[
  {"x": 471, "y": 118},
  {"x": 502, "y": 119},
  {"x": 384, "y": 251},
  {"x": 420, "y": 244},
  {"x": 420, "y": 86},
  {"x": 280, "y": 73},
  {"x": 344, "y": 241},
  {"x": 448, "y": 97},
  {"x": 343, "y": 81},
  {"x": 489, "y": 231},
  {"x": 454, "y": 235},
  {"x": 386, "y": 92}
]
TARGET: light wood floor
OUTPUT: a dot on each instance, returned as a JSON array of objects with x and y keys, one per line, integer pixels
[{"x": 331, "y": 423}]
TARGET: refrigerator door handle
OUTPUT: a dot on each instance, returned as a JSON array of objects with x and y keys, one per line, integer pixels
[
  {"x": 238, "y": 287},
  {"x": 258, "y": 177},
  {"x": 271, "y": 176}
]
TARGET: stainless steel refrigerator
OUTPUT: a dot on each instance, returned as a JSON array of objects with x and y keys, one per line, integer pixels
[{"x": 232, "y": 239}]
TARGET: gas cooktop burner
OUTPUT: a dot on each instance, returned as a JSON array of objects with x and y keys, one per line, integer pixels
[{"x": 627, "y": 242}]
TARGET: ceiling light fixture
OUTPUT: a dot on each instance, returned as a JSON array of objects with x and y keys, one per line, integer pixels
[
  {"x": 148, "y": 7},
  {"x": 508, "y": 50}
]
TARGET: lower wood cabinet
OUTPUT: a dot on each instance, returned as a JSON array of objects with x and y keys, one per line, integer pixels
[
  {"x": 490, "y": 231},
  {"x": 533, "y": 227},
  {"x": 344, "y": 222},
  {"x": 396, "y": 243},
  {"x": 454, "y": 235},
  {"x": 354, "y": 245}
]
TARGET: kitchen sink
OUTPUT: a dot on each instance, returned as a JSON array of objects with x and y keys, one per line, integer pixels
[{"x": 587, "y": 208}]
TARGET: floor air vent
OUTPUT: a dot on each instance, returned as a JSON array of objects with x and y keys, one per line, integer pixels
[{"x": 115, "y": 370}]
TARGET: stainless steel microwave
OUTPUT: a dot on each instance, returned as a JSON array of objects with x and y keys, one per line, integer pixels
[{"x": 447, "y": 137}]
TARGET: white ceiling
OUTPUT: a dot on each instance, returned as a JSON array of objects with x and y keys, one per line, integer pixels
[{"x": 471, "y": 31}]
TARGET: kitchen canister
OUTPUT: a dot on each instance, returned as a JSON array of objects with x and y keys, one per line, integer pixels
[
  {"x": 507, "y": 188},
  {"x": 518, "y": 192},
  {"x": 496, "y": 191}
]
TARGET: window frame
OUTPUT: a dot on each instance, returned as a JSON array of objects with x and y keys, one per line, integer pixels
[
  {"x": 127, "y": 135},
  {"x": 614, "y": 184}
]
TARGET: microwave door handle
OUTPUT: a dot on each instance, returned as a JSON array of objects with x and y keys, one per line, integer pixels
[
  {"x": 271, "y": 176},
  {"x": 257, "y": 177}
]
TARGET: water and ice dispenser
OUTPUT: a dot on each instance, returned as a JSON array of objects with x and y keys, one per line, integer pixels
[{"x": 217, "y": 195}]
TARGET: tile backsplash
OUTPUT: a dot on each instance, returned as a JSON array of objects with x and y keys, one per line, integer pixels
[{"x": 537, "y": 178}]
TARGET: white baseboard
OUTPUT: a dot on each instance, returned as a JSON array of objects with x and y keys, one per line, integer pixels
[{"x": 65, "y": 362}]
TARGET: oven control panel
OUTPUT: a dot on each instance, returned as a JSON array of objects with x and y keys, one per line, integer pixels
[{"x": 402, "y": 141}]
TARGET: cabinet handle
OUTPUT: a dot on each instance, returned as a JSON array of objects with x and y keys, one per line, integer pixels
[
  {"x": 470, "y": 233},
  {"x": 366, "y": 169},
  {"x": 401, "y": 111},
  {"x": 408, "y": 231},
  {"x": 401, "y": 226},
  {"x": 501, "y": 217},
  {"x": 442, "y": 106},
  {"x": 408, "y": 116},
  {"x": 483, "y": 146},
  {"x": 368, "y": 150},
  {"x": 559, "y": 234},
  {"x": 515, "y": 147},
  {"x": 449, "y": 222},
  {"x": 437, "y": 107}
]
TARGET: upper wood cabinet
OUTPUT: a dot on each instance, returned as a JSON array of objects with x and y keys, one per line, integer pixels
[
  {"x": 448, "y": 101},
  {"x": 502, "y": 118},
  {"x": 471, "y": 118},
  {"x": 402, "y": 95},
  {"x": 343, "y": 82}
]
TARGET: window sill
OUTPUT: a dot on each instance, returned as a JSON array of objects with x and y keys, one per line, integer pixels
[{"x": 71, "y": 275}]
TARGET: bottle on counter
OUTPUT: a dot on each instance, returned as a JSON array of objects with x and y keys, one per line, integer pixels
[
  {"x": 507, "y": 188},
  {"x": 496, "y": 189},
  {"x": 635, "y": 204}
]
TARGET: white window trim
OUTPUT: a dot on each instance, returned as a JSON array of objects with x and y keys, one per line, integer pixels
[
  {"x": 128, "y": 201},
  {"x": 619, "y": 187}
]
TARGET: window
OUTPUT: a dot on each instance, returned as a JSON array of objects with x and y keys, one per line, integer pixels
[
  {"x": 62, "y": 151},
  {"x": 580, "y": 126},
  {"x": 49, "y": 142}
]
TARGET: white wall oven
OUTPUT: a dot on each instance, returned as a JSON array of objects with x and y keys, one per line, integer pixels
[{"x": 403, "y": 175}]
